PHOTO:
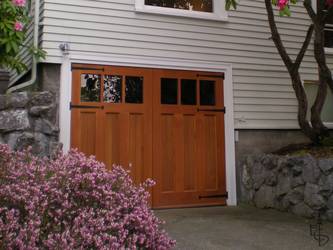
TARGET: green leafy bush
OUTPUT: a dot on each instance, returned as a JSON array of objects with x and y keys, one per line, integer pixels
[{"x": 14, "y": 19}]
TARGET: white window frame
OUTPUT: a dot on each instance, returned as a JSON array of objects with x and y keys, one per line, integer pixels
[{"x": 219, "y": 13}]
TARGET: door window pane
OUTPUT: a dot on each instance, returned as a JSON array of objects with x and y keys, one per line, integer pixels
[
  {"x": 169, "y": 89},
  {"x": 189, "y": 92},
  {"x": 112, "y": 89},
  {"x": 134, "y": 89},
  {"x": 90, "y": 88},
  {"x": 207, "y": 92},
  {"x": 196, "y": 5}
]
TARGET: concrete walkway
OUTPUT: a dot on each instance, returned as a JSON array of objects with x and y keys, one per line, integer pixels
[{"x": 240, "y": 228}]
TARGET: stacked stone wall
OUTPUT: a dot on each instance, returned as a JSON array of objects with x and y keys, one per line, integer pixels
[
  {"x": 302, "y": 185},
  {"x": 29, "y": 119}
]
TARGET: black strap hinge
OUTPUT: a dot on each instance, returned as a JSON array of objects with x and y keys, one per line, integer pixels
[
  {"x": 213, "y": 110},
  {"x": 87, "y": 68},
  {"x": 73, "y": 106},
  {"x": 214, "y": 196},
  {"x": 211, "y": 76}
]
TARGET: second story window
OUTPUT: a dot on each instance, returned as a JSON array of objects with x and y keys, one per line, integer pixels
[
  {"x": 200, "y": 9},
  {"x": 192, "y": 5}
]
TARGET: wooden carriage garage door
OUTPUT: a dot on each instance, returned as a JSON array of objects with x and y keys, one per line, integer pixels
[
  {"x": 188, "y": 139},
  {"x": 112, "y": 116},
  {"x": 168, "y": 124}
]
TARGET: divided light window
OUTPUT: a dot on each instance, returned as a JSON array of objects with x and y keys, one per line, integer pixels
[
  {"x": 199, "y": 9},
  {"x": 191, "y": 5},
  {"x": 329, "y": 33}
]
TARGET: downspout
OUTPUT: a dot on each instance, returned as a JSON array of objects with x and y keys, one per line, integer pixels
[{"x": 34, "y": 59}]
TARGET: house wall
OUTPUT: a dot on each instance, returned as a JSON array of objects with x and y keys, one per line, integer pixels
[{"x": 263, "y": 97}]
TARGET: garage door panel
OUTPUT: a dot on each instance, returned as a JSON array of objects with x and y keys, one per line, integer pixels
[
  {"x": 84, "y": 134},
  {"x": 190, "y": 153},
  {"x": 168, "y": 152},
  {"x": 112, "y": 139},
  {"x": 136, "y": 144},
  {"x": 88, "y": 132},
  {"x": 210, "y": 154}
]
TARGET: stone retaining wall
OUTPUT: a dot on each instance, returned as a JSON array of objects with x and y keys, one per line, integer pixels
[
  {"x": 29, "y": 119},
  {"x": 302, "y": 185}
]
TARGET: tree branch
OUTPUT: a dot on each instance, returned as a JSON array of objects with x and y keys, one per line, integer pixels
[
  {"x": 304, "y": 48},
  {"x": 276, "y": 36},
  {"x": 317, "y": 107},
  {"x": 308, "y": 6}
]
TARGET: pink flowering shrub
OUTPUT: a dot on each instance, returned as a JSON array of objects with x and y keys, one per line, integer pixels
[{"x": 73, "y": 202}]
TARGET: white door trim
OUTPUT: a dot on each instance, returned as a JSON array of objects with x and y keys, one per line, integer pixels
[
  {"x": 65, "y": 99},
  {"x": 149, "y": 62}
]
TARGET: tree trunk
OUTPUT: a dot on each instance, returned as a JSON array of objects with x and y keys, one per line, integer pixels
[
  {"x": 293, "y": 69},
  {"x": 325, "y": 77},
  {"x": 303, "y": 107}
]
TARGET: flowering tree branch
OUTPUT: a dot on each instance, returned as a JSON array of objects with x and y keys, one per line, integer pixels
[
  {"x": 315, "y": 130},
  {"x": 14, "y": 18}
]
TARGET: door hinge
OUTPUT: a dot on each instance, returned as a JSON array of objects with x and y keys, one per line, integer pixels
[
  {"x": 211, "y": 76},
  {"x": 213, "y": 110},
  {"x": 87, "y": 68},
  {"x": 214, "y": 196},
  {"x": 73, "y": 106}
]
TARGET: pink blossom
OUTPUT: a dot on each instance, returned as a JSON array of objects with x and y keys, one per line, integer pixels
[
  {"x": 19, "y": 3},
  {"x": 282, "y": 4},
  {"x": 18, "y": 26}
]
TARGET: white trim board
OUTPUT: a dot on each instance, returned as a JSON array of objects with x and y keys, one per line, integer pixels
[
  {"x": 219, "y": 13},
  {"x": 86, "y": 58}
]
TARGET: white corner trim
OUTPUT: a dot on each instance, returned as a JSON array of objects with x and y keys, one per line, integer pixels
[
  {"x": 219, "y": 13},
  {"x": 65, "y": 98},
  {"x": 150, "y": 62},
  {"x": 230, "y": 139}
]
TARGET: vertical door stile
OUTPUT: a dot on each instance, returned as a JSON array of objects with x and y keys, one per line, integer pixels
[
  {"x": 124, "y": 130},
  {"x": 178, "y": 147},
  {"x": 74, "y": 113},
  {"x": 156, "y": 170},
  {"x": 100, "y": 125},
  {"x": 148, "y": 130}
]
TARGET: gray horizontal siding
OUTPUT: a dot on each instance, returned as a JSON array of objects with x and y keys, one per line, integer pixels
[{"x": 263, "y": 97}]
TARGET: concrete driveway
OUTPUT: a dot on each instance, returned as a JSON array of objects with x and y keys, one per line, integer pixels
[{"x": 240, "y": 228}]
